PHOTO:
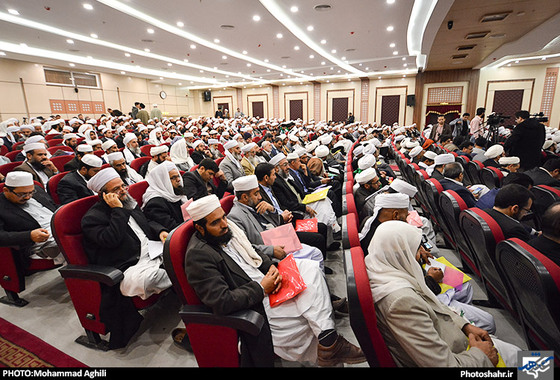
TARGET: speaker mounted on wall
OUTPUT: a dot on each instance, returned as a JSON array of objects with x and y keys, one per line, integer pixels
[
  {"x": 207, "y": 96},
  {"x": 410, "y": 100}
]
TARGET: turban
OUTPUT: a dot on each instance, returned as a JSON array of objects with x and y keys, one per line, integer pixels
[
  {"x": 84, "y": 148},
  {"x": 155, "y": 150},
  {"x": 107, "y": 144},
  {"x": 128, "y": 138},
  {"x": 231, "y": 144},
  {"x": 508, "y": 160},
  {"x": 115, "y": 156},
  {"x": 33, "y": 146},
  {"x": 19, "y": 179},
  {"x": 322, "y": 151},
  {"x": 197, "y": 143},
  {"x": 203, "y": 207},
  {"x": 92, "y": 160},
  {"x": 494, "y": 151},
  {"x": 292, "y": 156},
  {"x": 245, "y": 183},
  {"x": 69, "y": 136},
  {"x": 248, "y": 147},
  {"x": 366, "y": 162},
  {"x": 403, "y": 187},
  {"x": 99, "y": 180},
  {"x": 430, "y": 155},
  {"x": 442, "y": 159},
  {"x": 366, "y": 176},
  {"x": 276, "y": 159},
  {"x": 415, "y": 151},
  {"x": 385, "y": 201}
]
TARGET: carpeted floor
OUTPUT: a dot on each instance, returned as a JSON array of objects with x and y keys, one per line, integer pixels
[{"x": 20, "y": 349}]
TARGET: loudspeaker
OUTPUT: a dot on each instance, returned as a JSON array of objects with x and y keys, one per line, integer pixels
[
  {"x": 207, "y": 96},
  {"x": 410, "y": 100}
]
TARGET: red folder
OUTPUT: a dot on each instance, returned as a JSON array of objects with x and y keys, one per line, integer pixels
[
  {"x": 307, "y": 225},
  {"x": 284, "y": 235},
  {"x": 292, "y": 282}
]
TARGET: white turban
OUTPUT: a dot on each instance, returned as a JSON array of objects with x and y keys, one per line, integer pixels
[
  {"x": 366, "y": 162},
  {"x": 92, "y": 160},
  {"x": 494, "y": 151},
  {"x": 322, "y": 151},
  {"x": 18, "y": 179},
  {"x": 248, "y": 147},
  {"x": 430, "y": 155},
  {"x": 203, "y": 207},
  {"x": 385, "y": 200},
  {"x": 99, "y": 180},
  {"x": 403, "y": 187},
  {"x": 512, "y": 160},
  {"x": 415, "y": 151},
  {"x": 128, "y": 138},
  {"x": 442, "y": 159},
  {"x": 366, "y": 176},
  {"x": 107, "y": 144},
  {"x": 276, "y": 159},
  {"x": 231, "y": 144},
  {"x": 84, "y": 148},
  {"x": 115, "y": 156},
  {"x": 33, "y": 146},
  {"x": 155, "y": 150},
  {"x": 245, "y": 183}
]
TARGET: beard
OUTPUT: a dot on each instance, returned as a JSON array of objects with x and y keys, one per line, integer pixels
[
  {"x": 128, "y": 202},
  {"x": 37, "y": 165},
  {"x": 282, "y": 174},
  {"x": 179, "y": 190},
  {"x": 217, "y": 241},
  {"x": 135, "y": 150},
  {"x": 238, "y": 156}
]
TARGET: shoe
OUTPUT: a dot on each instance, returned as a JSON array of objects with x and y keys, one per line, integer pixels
[
  {"x": 181, "y": 339},
  {"x": 334, "y": 246},
  {"x": 340, "y": 352},
  {"x": 328, "y": 270},
  {"x": 340, "y": 305},
  {"x": 337, "y": 235}
]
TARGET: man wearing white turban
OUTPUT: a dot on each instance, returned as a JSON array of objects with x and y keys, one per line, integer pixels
[
  {"x": 128, "y": 174},
  {"x": 418, "y": 329},
  {"x": 117, "y": 234},
  {"x": 131, "y": 148},
  {"x": 231, "y": 164},
  {"x": 229, "y": 275},
  {"x": 37, "y": 163},
  {"x": 73, "y": 185},
  {"x": 163, "y": 199},
  {"x": 159, "y": 154},
  {"x": 179, "y": 155}
]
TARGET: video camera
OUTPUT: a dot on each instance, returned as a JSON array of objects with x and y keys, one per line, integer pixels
[
  {"x": 496, "y": 119},
  {"x": 540, "y": 117}
]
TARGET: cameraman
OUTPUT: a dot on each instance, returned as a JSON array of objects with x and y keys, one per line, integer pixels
[{"x": 526, "y": 140}]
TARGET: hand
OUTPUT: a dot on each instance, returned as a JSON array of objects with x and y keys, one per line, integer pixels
[
  {"x": 310, "y": 211},
  {"x": 325, "y": 180},
  {"x": 39, "y": 235},
  {"x": 272, "y": 280},
  {"x": 112, "y": 200},
  {"x": 469, "y": 329},
  {"x": 49, "y": 165},
  {"x": 435, "y": 273},
  {"x": 424, "y": 255},
  {"x": 220, "y": 174},
  {"x": 287, "y": 216},
  {"x": 163, "y": 236},
  {"x": 279, "y": 252},
  {"x": 485, "y": 346},
  {"x": 263, "y": 207}
]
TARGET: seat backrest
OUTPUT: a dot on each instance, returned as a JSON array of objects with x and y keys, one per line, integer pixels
[
  {"x": 483, "y": 234},
  {"x": 6, "y": 168},
  {"x": 351, "y": 233},
  {"x": 535, "y": 281},
  {"x": 473, "y": 170},
  {"x": 60, "y": 161},
  {"x": 54, "y": 149},
  {"x": 137, "y": 190},
  {"x": 491, "y": 177},
  {"x": 351, "y": 204},
  {"x": 146, "y": 149},
  {"x": 13, "y": 154},
  {"x": 67, "y": 229},
  {"x": 544, "y": 196},
  {"x": 227, "y": 203},
  {"x": 361, "y": 310},
  {"x": 54, "y": 142},
  {"x": 52, "y": 185},
  {"x": 138, "y": 162}
]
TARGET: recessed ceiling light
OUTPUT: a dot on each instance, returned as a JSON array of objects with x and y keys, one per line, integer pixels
[
  {"x": 404, "y": 58},
  {"x": 193, "y": 46},
  {"x": 343, "y": 58},
  {"x": 333, "y": 51},
  {"x": 322, "y": 63},
  {"x": 150, "y": 30},
  {"x": 87, "y": 6},
  {"x": 323, "y": 41},
  {"x": 169, "y": 64},
  {"x": 390, "y": 1},
  {"x": 224, "y": 56},
  {"x": 279, "y": 35},
  {"x": 266, "y": 60},
  {"x": 123, "y": 72},
  {"x": 70, "y": 41},
  {"x": 311, "y": 56},
  {"x": 392, "y": 45},
  {"x": 244, "y": 51},
  {"x": 256, "y": 18},
  {"x": 395, "y": 52},
  {"x": 216, "y": 41},
  {"x": 2, "y": 53},
  {"x": 93, "y": 35},
  {"x": 296, "y": 47},
  {"x": 310, "y": 28},
  {"x": 180, "y": 24},
  {"x": 127, "y": 54},
  {"x": 248, "y": 65},
  {"x": 390, "y": 28},
  {"x": 71, "y": 64},
  {"x": 13, "y": 12},
  {"x": 294, "y": 9},
  {"x": 147, "y": 50}
]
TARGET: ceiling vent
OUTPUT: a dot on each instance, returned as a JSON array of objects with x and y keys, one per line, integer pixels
[
  {"x": 227, "y": 27},
  {"x": 472, "y": 36},
  {"x": 322, "y": 7},
  {"x": 495, "y": 17},
  {"x": 465, "y": 47},
  {"x": 459, "y": 56}
]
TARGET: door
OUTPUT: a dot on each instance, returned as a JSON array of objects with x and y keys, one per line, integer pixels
[
  {"x": 296, "y": 109},
  {"x": 390, "y": 108},
  {"x": 339, "y": 109},
  {"x": 258, "y": 109}
]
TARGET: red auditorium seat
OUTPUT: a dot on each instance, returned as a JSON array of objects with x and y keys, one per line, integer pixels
[
  {"x": 13, "y": 273},
  {"x": 432, "y": 191},
  {"x": 544, "y": 197},
  {"x": 137, "y": 190},
  {"x": 52, "y": 186},
  {"x": 483, "y": 234},
  {"x": 83, "y": 280},
  {"x": 60, "y": 161},
  {"x": 227, "y": 203},
  {"x": 491, "y": 177},
  {"x": 54, "y": 149},
  {"x": 54, "y": 142},
  {"x": 13, "y": 154},
  {"x": 535, "y": 283},
  {"x": 451, "y": 205},
  {"x": 474, "y": 168},
  {"x": 146, "y": 149},
  {"x": 350, "y": 230},
  {"x": 3, "y": 150},
  {"x": 350, "y": 204},
  {"x": 6, "y": 168},
  {"x": 213, "y": 338},
  {"x": 361, "y": 310},
  {"x": 138, "y": 162}
]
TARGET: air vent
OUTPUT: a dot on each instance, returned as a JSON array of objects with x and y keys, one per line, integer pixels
[
  {"x": 285, "y": 57},
  {"x": 227, "y": 27},
  {"x": 495, "y": 17},
  {"x": 351, "y": 49},
  {"x": 322, "y": 7},
  {"x": 465, "y": 47},
  {"x": 475, "y": 35},
  {"x": 459, "y": 56},
  {"x": 148, "y": 41}
]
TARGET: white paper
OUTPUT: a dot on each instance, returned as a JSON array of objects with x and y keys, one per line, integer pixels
[{"x": 155, "y": 248}]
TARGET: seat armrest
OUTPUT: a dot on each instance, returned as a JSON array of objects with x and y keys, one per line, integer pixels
[
  {"x": 103, "y": 274},
  {"x": 248, "y": 321}
]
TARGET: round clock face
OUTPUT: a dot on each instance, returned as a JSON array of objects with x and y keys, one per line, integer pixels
[{"x": 163, "y": 95}]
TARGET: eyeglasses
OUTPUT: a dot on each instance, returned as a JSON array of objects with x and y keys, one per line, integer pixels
[
  {"x": 23, "y": 195},
  {"x": 118, "y": 189}
]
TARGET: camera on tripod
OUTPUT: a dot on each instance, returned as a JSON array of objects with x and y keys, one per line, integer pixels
[{"x": 495, "y": 119}]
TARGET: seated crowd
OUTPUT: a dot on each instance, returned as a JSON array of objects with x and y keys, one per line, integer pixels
[{"x": 272, "y": 167}]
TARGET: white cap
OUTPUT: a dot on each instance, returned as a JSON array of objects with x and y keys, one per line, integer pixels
[
  {"x": 84, "y": 148},
  {"x": 442, "y": 159},
  {"x": 248, "y": 147},
  {"x": 403, "y": 187},
  {"x": 107, "y": 144},
  {"x": 430, "y": 155},
  {"x": 100, "y": 179},
  {"x": 366, "y": 176},
  {"x": 494, "y": 151},
  {"x": 33, "y": 146},
  {"x": 92, "y": 160},
  {"x": 322, "y": 151},
  {"x": 231, "y": 144},
  {"x": 245, "y": 183},
  {"x": 155, "y": 150},
  {"x": 277, "y": 158},
  {"x": 18, "y": 179},
  {"x": 292, "y": 156},
  {"x": 512, "y": 160},
  {"x": 115, "y": 156},
  {"x": 203, "y": 207}
]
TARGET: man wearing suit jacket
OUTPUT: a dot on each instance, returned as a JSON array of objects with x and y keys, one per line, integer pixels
[
  {"x": 25, "y": 219},
  {"x": 453, "y": 180},
  {"x": 73, "y": 185},
  {"x": 200, "y": 182},
  {"x": 511, "y": 204},
  {"x": 231, "y": 164},
  {"x": 37, "y": 163},
  {"x": 548, "y": 174}
]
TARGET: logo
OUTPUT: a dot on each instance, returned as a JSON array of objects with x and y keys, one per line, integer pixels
[{"x": 535, "y": 365}]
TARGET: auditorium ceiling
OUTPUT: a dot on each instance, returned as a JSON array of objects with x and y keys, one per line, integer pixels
[{"x": 219, "y": 43}]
